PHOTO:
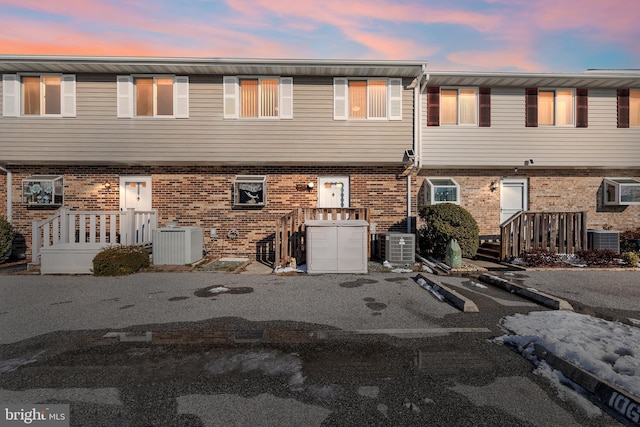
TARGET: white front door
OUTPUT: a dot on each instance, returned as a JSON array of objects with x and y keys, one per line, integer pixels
[
  {"x": 513, "y": 197},
  {"x": 333, "y": 192},
  {"x": 135, "y": 192}
]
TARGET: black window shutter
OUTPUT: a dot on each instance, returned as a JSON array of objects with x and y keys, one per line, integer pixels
[
  {"x": 582, "y": 108},
  {"x": 623, "y": 108},
  {"x": 433, "y": 106},
  {"x": 484, "y": 107},
  {"x": 531, "y": 107}
]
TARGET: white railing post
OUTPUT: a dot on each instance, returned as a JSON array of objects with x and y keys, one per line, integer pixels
[
  {"x": 64, "y": 226},
  {"x": 130, "y": 219},
  {"x": 35, "y": 242}
]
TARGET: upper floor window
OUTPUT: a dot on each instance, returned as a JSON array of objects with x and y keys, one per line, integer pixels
[
  {"x": 555, "y": 107},
  {"x": 634, "y": 108},
  {"x": 463, "y": 106},
  {"x": 459, "y": 107},
  {"x": 39, "y": 95},
  {"x": 153, "y": 96},
  {"x": 258, "y": 97},
  {"x": 367, "y": 99}
]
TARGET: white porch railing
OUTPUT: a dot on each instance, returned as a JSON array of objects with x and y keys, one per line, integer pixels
[{"x": 80, "y": 227}]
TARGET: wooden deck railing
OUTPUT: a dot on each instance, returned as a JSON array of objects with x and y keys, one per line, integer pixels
[
  {"x": 290, "y": 231},
  {"x": 80, "y": 227},
  {"x": 561, "y": 232}
]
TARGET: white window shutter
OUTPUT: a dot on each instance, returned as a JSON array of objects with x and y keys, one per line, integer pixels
[
  {"x": 395, "y": 99},
  {"x": 125, "y": 96},
  {"x": 340, "y": 106},
  {"x": 68, "y": 95},
  {"x": 286, "y": 98},
  {"x": 10, "y": 95},
  {"x": 230, "y": 94},
  {"x": 181, "y": 97}
]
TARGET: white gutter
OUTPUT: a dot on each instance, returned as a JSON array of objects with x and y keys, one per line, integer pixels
[
  {"x": 417, "y": 135},
  {"x": 9, "y": 185}
]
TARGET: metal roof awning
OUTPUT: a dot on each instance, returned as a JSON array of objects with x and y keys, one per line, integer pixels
[
  {"x": 588, "y": 79},
  {"x": 219, "y": 66}
]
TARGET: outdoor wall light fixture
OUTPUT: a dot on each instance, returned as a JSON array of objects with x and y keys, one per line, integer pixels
[
  {"x": 310, "y": 186},
  {"x": 493, "y": 186},
  {"x": 107, "y": 186}
]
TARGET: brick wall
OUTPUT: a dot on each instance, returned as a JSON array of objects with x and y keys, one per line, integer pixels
[
  {"x": 202, "y": 196},
  {"x": 548, "y": 190}
]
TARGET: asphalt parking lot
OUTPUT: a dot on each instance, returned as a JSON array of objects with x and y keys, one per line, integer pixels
[{"x": 386, "y": 322}]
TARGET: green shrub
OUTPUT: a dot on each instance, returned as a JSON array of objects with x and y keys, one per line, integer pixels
[
  {"x": 631, "y": 258},
  {"x": 7, "y": 233},
  {"x": 443, "y": 222},
  {"x": 120, "y": 261}
]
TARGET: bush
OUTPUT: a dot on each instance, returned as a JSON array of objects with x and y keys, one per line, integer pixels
[
  {"x": 541, "y": 258},
  {"x": 601, "y": 257},
  {"x": 631, "y": 258},
  {"x": 446, "y": 221},
  {"x": 120, "y": 261},
  {"x": 7, "y": 234}
]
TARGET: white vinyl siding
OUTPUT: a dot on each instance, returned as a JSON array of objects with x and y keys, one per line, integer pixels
[
  {"x": 508, "y": 142},
  {"x": 152, "y": 96},
  {"x": 367, "y": 99},
  {"x": 97, "y": 136}
]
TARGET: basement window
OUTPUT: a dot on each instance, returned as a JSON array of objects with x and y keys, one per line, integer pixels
[
  {"x": 250, "y": 190},
  {"x": 441, "y": 190},
  {"x": 43, "y": 190},
  {"x": 621, "y": 191}
]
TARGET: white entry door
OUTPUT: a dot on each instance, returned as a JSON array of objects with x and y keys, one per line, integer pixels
[
  {"x": 513, "y": 197},
  {"x": 333, "y": 192},
  {"x": 135, "y": 192}
]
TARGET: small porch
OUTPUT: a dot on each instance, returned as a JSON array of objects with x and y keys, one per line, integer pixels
[
  {"x": 563, "y": 232},
  {"x": 290, "y": 230},
  {"x": 67, "y": 242}
]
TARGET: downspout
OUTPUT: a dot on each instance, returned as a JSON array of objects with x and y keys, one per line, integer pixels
[
  {"x": 9, "y": 184},
  {"x": 417, "y": 134}
]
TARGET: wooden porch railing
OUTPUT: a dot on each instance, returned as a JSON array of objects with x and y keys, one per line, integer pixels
[
  {"x": 561, "y": 232},
  {"x": 290, "y": 231},
  {"x": 81, "y": 227}
]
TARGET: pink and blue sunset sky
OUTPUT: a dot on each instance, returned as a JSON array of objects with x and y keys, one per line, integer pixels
[{"x": 479, "y": 35}]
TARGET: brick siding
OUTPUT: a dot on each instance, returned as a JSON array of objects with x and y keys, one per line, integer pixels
[{"x": 202, "y": 197}]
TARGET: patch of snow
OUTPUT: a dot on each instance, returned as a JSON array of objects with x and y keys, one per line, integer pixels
[
  {"x": 423, "y": 283},
  {"x": 218, "y": 290},
  {"x": 608, "y": 350},
  {"x": 300, "y": 269},
  {"x": 427, "y": 269},
  {"x": 387, "y": 264},
  {"x": 401, "y": 270},
  {"x": 478, "y": 285}
]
